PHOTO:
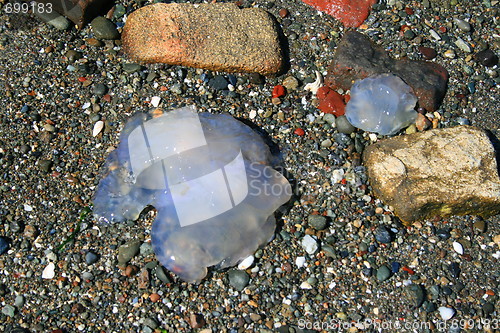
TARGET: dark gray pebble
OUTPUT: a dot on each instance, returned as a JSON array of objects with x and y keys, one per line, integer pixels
[
  {"x": 454, "y": 269},
  {"x": 131, "y": 67},
  {"x": 486, "y": 58},
  {"x": 343, "y": 125},
  {"x": 4, "y": 244},
  {"x": 238, "y": 279},
  {"x": 91, "y": 258},
  {"x": 415, "y": 294},
  {"x": 128, "y": 251},
  {"x": 45, "y": 165},
  {"x": 104, "y": 28},
  {"x": 383, "y": 235},
  {"x": 318, "y": 222},
  {"x": 218, "y": 82},
  {"x": 100, "y": 90}
]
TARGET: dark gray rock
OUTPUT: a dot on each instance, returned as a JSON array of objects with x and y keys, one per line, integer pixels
[
  {"x": 104, "y": 28},
  {"x": 238, "y": 279},
  {"x": 318, "y": 222},
  {"x": 357, "y": 58}
]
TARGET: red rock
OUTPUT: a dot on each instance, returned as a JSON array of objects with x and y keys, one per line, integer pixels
[
  {"x": 283, "y": 12},
  {"x": 299, "y": 132},
  {"x": 427, "y": 52},
  {"x": 279, "y": 91},
  {"x": 330, "y": 101},
  {"x": 350, "y": 12},
  {"x": 214, "y": 36}
]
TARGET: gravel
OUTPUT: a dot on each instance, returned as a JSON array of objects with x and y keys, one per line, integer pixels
[{"x": 49, "y": 107}]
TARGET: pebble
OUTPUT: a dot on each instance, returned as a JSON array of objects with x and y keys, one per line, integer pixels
[
  {"x": 486, "y": 58},
  {"x": 4, "y": 244},
  {"x": 446, "y": 312},
  {"x": 246, "y": 263},
  {"x": 427, "y": 52},
  {"x": 462, "y": 25},
  {"x": 383, "y": 273},
  {"x": 91, "y": 257},
  {"x": 8, "y": 310},
  {"x": 98, "y": 127},
  {"x": 131, "y": 67},
  {"x": 343, "y": 125},
  {"x": 300, "y": 261},
  {"x": 458, "y": 248},
  {"x": 155, "y": 101},
  {"x": 128, "y": 251},
  {"x": 53, "y": 18},
  {"x": 290, "y": 83},
  {"x": 480, "y": 225},
  {"x": 318, "y": 222},
  {"x": 19, "y": 301},
  {"x": 238, "y": 279},
  {"x": 454, "y": 269},
  {"x": 218, "y": 83},
  {"x": 162, "y": 275},
  {"x": 49, "y": 271},
  {"x": 450, "y": 54},
  {"x": 73, "y": 55},
  {"x": 330, "y": 119},
  {"x": 383, "y": 235},
  {"x": 100, "y": 89},
  {"x": 462, "y": 45},
  {"x": 309, "y": 244},
  {"x": 415, "y": 294},
  {"x": 103, "y": 28}
]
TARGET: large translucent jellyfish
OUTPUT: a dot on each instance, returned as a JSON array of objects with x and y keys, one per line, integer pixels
[
  {"x": 211, "y": 180},
  {"x": 383, "y": 104}
]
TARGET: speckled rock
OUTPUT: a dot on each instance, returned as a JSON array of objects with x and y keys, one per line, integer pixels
[
  {"x": 441, "y": 172},
  {"x": 217, "y": 36},
  {"x": 357, "y": 58}
]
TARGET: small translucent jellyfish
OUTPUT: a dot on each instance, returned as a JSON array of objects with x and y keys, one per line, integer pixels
[
  {"x": 383, "y": 104},
  {"x": 210, "y": 178}
]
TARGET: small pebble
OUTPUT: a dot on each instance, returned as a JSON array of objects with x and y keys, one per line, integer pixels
[
  {"x": 450, "y": 54},
  {"x": 446, "y": 312},
  {"x": 343, "y": 125},
  {"x": 462, "y": 25},
  {"x": 49, "y": 271},
  {"x": 415, "y": 294},
  {"x": 4, "y": 244},
  {"x": 104, "y": 28},
  {"x": 91, "y": 257},
  {"x": 458, "y": 248},
  {"x": 128, "y": 251},
  {"x": 238, "y": 279},
  {"x": 290, "y": 83},
  {"x": 383, "y": 235},
  {"x": 246, "y": 263},
  {"x": 309, "y": 244},
  {"x": 462, "y": 45},
  {"x": 486, "y": 58},
  {"x": 318, "y": 222},
  {"x": 427, "y": 52},
  {"x": 383, "y": 273}
]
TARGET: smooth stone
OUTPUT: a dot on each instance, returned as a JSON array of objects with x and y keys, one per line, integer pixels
[
  {"x": 162, "y": 275},
  {"x": 53, "y": 18},
  {"x": 480, "y": 225},
  {"x": 146, "y": 249},
  {"x": 128, "y": 251},
  {"x": 104, "y": 28},
  {"x": 218, "y": 82},
  {"x": 91, "y": 257},
  {"x": 318, "y": 222},
  {"x": 8, "y": 310},
  {"x": 131, "y": 67},
  {"x": 486, "y": 58},
  {"x": 4, "y": 244},
  {"x": 309, "y": 244},
  {"x": 290, "y": 83},
  {"x": 446, "y": 312},
  {"x": 19, "y": 301},
  {"x": 383, "y": 235},
  {"x": 462, "y": 25},
  {"x": 343, "y": 125},
  {"x": 330, "y": 119},
  {"x": 238, "y": 279},
  {"x": 415, "y": 294},
  {"x": 100, "y": 89},
  {"x": 383, "y": 273}
]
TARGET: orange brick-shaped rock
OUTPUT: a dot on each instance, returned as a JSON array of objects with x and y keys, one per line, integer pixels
[{"x": 218, "y": 36}]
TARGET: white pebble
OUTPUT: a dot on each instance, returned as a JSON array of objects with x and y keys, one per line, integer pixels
[
  {"x": 434, "y": 35},
  {"x": 337, "y": 175},
  {"x": 155, "y": 101},
  {"x": 309, "y": 244},
  {"x": 253, "y": 114},
  {"x": 49, "y": 271},
  {"x": 462, "y": 45},
  {"x": 28, "y": 208},
  {"x": 446, "y": 313},
  {"x": 98, "y": 126},
  {"x": 246, "y": 263},
  {"x": 305, "y": 285},
  {"x": 458, "y": 248},
  {"x": 300, "y": 262}
]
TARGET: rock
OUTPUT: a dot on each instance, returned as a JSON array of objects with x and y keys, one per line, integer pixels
[
  {"x": 486, "y": 58},
  {"x": 383, "y": 235},
  {"x": 216, "y": 36},
  {"x": 446, "y": 313},
  {"x": 318, "y": 222},
  {"x": 91, "y": 257},
  {"x": 343, "y": 125},
  {"x": 100, "y": 89},
  {"x": 104, "y": 28},
  {"x": 80, "y": 12},
  {"x": 440, "y": 172},
  {"x": 128, "y": 251},
  {"x": 330, "y": 101},
  {"x": 357, "y": 58},
  {"x": 383, "y": 273},
  {"x": 238, "y": 279},
  {"x": 218, "y": 82},
  {"x": 9, "y": 310},
  {"x": 196, "y": 320},
  {"x": 49, "y": 271},
  {"x": 4, "y": 244},
  {"x": 415, "y": 294},
  {"x": 427, "y": 52},
  {"x": 131, "y": 67},
  {"x": 309, "y": 244},
  {"x": 290, "y": 83},
  {"x": 350, "y": 12}
]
